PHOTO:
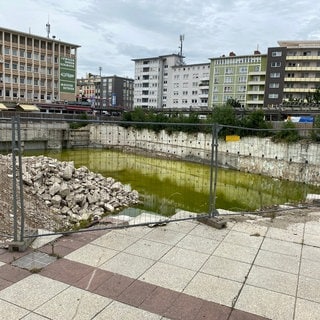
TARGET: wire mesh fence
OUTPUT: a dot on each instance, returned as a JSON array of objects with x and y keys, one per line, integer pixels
[{"x": 82, "y": 174}]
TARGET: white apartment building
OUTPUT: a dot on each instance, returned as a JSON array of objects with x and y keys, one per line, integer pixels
[
  {"x": 189, "y": 87},
  {"x": 166, "y": 82},
  {"x": 151, "y": 80}
]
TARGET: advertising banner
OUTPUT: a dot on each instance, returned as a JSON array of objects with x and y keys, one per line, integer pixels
[{"x": 67, "y": 75}]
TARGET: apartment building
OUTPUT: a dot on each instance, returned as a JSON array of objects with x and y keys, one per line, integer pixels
[
  {"x": 36, "y": 69},
  {"x": 241, "y": 78},
  {"x": 152, "y": 80},
  {"x": 293, "y": 72},
  {"x": 105, "y": 92},
  {"x": 189, "y": 87}
]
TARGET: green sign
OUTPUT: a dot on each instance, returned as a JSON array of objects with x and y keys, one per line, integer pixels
[{"x": 67, "y": 75}]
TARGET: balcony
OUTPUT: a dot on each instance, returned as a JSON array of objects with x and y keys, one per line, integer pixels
[
  {"x": 302, "y": 79},
  {"x": 257, "y": 73},
  {"x": 302, "y": 68},
  {"x": 256, "y": 83},
  {"x": 254, "y": 92},
  {"x": 305, "y": 90},
  {"x": 297, "y": 57}
]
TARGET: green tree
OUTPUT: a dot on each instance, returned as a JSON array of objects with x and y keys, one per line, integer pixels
[
  {"x": 316, "y": 95},
  {"x": 315, "y": 133},
  {"x": 255, "y": 120},
  {"x": 288, "y": 133}
]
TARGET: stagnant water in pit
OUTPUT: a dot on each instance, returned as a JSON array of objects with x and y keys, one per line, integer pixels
[{"x": 167, "y": 185}]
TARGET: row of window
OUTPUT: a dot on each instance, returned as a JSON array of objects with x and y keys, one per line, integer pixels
[
  {"x": 28, "y": 68},
  {"x": 29, "y": 81},
  {"x": 244, "y": 60},
  {"x": 29, "y": 55},
  {"x": 23, "y": 94}
]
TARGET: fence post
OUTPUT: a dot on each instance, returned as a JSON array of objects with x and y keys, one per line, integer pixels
[
  {"x": 18, "y": 242},
  {"x": 214, "y": 170}
]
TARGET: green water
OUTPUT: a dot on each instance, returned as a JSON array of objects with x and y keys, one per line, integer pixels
[{"x": 166, "y": 185}]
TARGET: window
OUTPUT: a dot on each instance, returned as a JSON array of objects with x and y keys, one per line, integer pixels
[
  {"x": 229, "y": 70},
  {"x": 6, "y": 50},
  {"x": 274, "y": 85},
  {"x": 14, "y": 52},
  {"x": 185, "y": 76},
  {"x": 243, "y": 69},
  {"x": 275, "y": 64},
  {"x": 275, "y": 75},
  {"x": 276, "y": 53},
  {"x": 228, "y": 79},
  {"x": 273, "y": 96},
  {"x": 242, "y": 79},
  {"x": 29, "y": 55}
]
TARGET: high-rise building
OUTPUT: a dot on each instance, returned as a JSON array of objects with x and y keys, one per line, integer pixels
[
  {"x": 152, "y": 80},
  {"x": 106, "y": 92},
  {"x": 239, "y": 78},
  {"x": 36, "y": 69},
  {"x": 293, "y": 72}
]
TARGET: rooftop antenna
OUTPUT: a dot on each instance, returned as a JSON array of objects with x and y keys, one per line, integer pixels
[
  {"x": 48, "y": 28},
  {"x": 181, "y": 42}
]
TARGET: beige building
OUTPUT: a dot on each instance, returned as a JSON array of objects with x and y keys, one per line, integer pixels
[{"x": 36, "y": 69}]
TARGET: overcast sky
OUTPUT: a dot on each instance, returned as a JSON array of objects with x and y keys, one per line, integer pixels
[{"x": 113, "y": 32}]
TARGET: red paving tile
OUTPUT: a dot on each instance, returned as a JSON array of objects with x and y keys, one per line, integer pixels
[
  {"x": 242, "y": 315},
  {"x": 13, "y": 274},
  {"x": 58, "y": 250},
  {"x": 213, "y": 311},
  {"x": 184, "y": 307},
  {"x": 94, "y": 279},
  {"x": 66, "y": 271},
  {"x": 4, "y": 283},
  {"x": 159, "y": 300},
  {"x": 114, "y": 286},
  {"x": 136, "y": 293},
  {"x": 8, "y": 257}
]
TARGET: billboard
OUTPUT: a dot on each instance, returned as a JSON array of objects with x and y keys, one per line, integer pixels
[{"x": 67, "y": 75}]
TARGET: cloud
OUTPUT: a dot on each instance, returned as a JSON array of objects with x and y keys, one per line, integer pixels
[{"x": 112, "y": 33}]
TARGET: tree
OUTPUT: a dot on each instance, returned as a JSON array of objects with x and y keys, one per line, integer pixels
[
  {"x": 288, "y": 133},
  {"x": 315, "y": 133},
  {"x": 255, "y": 120},
  {"x": 316, "y": 95}
]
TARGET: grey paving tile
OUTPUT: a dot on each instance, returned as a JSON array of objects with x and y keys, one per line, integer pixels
[
  {"x": 43, "y": 289},
  {"x": 307, "y": 310},
  {"x": 148, "y": 249},
  {"x": 168, "y": 276},
  {"x": 310, "y": 268},
  {"x": 92, "y": 255},
  {"x": 34, "y": 260},
  {"x": 184, "y": 258},
  {"x": 281, "y": 246},
  {"x": 135, "y": 232},
  {"x": 212, "y": 288},
  {"x": 311, "y": 253},
  {"x": 34, "y": 316},
  {"x": 235, "y": 252},
  {"x": 308, "y": 289},
  {"x": 312, "y": 240},
  {"x": 117, "y": 310},
  {"x": 226, "y": 268},
  {"x": 266, "y": 303},
  {"x": 115, "y": 240},
  {"x": 11, "y": 311},
  {"x": 312, "y": 227},
  {"x": 199, "y": 244},
  {"x": 243, "y": 239},
  {"x": 285, "y": 235},
  {"x": 205, "y": 231},
  {"x": 2, "y": 263},
  {"x": 73, "y": 303},
  {"x": 278, "y": 261},
  {"x": 182, "y": 226},
  {"x": 164, "y": 235},
  {"x": 273, "y": 280},
  {"x": 128, "y": 264},
  {"x": 251, "y": 228}
]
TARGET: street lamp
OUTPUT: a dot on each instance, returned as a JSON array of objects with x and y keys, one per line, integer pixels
[{"x": 100, "y": 69}]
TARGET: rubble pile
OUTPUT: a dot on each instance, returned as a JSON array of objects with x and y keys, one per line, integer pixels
[{"x": 75, "y": 193}]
